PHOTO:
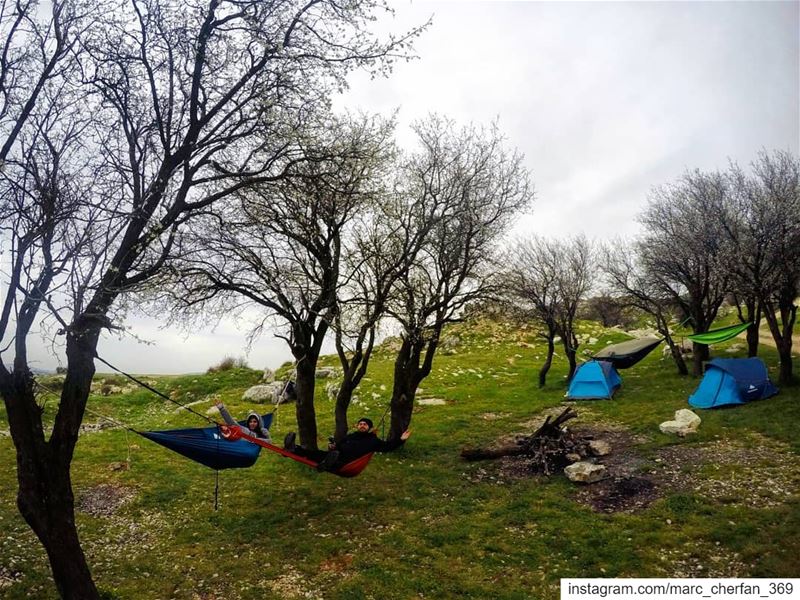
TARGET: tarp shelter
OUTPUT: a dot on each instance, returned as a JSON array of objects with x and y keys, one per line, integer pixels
[
  {"x": 731, "y": 381},
  {"x": 626, "y": 354},
  {"x": 594, "y": 380}
]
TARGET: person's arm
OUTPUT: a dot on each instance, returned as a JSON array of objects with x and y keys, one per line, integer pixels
[
  {"x": 389, "y": 445},
  {"x": 225, "y": 414}
]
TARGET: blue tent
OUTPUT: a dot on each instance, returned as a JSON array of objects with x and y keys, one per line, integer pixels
[
  {"x": 731, "y": 381},
  {"x": 594, "y": 380}
]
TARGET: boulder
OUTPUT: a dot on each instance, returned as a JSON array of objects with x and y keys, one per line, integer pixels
[
  {"x": 332, "y": 389},
  {"x": 599, "y": 447},
  {"x": 585, "y": 472},
  {"x": 268, "y": 376},
  {"x": 325, "y": 373},
  {"x": 260, "y": 394},
  {"x": 684, "y": 422}
]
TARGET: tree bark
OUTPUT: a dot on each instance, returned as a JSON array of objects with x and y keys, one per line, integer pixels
[
  {"x": 343, "y": 398},
  {"x": 700, "y": 355},
  {"x": 44, "y": 497},
  {"x": 547, "y": 362},
  {"x": 304, "y": 408},
  {"x": 408, "y": 373}
]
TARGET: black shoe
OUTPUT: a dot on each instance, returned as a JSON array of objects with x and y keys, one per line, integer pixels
[
  {"x": 327, "y": 463},
  {"x": 288, "y": 441}
]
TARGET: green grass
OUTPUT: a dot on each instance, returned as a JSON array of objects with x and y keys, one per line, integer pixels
[{"x": 416, "y": 523}]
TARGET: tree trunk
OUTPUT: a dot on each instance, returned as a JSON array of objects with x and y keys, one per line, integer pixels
[
  {"x": 548, "y": 361},
  {"x": 782, "y": 335},
  {"x": 304, "y": 408},
  {"x": 700, "y": 354},
  {"x": 571, "y": 357},
  {"x": 677, "y": 356},
  {"x": 46, "y": 502},
  {"x": 44, "y": 497},
  {"x": 343, "y": 398},
  {"x": 404, "y": 387}
]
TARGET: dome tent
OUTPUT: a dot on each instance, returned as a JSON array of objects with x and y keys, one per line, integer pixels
[
  {"x": 594, "y": 380},
  {"x": 732, "y": 381}
]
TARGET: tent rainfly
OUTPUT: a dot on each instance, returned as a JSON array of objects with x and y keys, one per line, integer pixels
[
  {"x": 732, "y": 381},
  {"x": 594, "y": 380}
]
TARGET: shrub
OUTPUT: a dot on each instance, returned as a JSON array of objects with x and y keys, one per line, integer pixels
[{"x": 228, "y": 363}]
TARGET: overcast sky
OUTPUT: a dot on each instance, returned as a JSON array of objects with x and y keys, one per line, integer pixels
[{"x": 604, "y": 99}]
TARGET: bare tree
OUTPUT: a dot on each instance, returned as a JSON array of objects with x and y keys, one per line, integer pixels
[
  {"x": 468, "y": 188},
  {"x": 627, "y": 280},
  {"x": 575, "y": 279},
  {"x": 282, "y": 246},
  {"x": 187, "y": 107},
  {"x": 682, "y": 250},
  {"x": 384, "y": 248},
  {"x": 548, "y": 279},
  {"x": 533, "y": 265}
]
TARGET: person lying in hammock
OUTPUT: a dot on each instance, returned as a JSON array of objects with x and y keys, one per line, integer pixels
[
  {"x": 255, "y": 426},
  {"x": 354, "y": 445}
]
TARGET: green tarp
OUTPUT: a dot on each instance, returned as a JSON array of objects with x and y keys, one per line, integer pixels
[{"x": 716, "y": 336}]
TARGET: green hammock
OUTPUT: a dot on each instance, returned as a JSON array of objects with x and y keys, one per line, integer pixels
[{"x": 716, "y": 336}]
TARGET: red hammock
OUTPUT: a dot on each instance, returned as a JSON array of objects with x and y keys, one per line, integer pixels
[{"x": 351, "y": 469}]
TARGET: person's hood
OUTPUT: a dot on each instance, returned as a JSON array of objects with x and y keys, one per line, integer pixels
[{"x": 253, "y": 413}]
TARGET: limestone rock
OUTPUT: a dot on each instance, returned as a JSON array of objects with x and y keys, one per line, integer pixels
[
  {"x": 332, "y": 389},
  {"x": 269, "y": 392},
  {"x": 684, "y": 422},
  {"x": 268, "y": 376},
  {"x": 599, "y": 447},
  {"x": 431, "y": 402},
  {"x": 573, "y": 457},
  {"x": 325, "y": 373},
  {"x": 585, "y": 472}
]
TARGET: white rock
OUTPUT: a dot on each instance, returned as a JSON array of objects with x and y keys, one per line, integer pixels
[
  {"x": 332, "y": 389},
  {"x": 585, "y": 472},
  {"x": 684, "y": 415},
  {"x": 599, "y": 447},
  {"x": 268, "y": 376},
  {"x": 325, "y": 373},
  {"x": 431, "y": 402},
  {"x": 684, "y": 423},
  {"x": 268, "y": 392}
]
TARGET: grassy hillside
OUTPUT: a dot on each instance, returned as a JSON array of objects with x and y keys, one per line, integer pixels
[{"x": 421, "y": 522}]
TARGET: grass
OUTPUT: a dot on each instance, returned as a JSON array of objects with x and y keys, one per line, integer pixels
[{"x": 416, "y": 523}]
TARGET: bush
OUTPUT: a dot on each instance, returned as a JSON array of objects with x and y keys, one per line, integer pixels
[{"x": 228, "y": 363}]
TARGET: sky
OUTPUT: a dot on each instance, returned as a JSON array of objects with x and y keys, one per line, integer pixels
[{"x": 605, "y": 99}]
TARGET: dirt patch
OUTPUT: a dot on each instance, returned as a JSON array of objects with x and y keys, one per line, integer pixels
[
  {"x": 752, "y": 471},
  {"x": 104, "y": 500},
  {"x": 619, "y": 494}
]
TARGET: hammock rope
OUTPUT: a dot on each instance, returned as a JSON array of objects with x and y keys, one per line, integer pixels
[{"x": 155, "y": 391}]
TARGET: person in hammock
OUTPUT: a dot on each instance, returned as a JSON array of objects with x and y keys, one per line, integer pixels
[
  {"x": 255, "y": 426},
  {"x": 354, "y": 445}
]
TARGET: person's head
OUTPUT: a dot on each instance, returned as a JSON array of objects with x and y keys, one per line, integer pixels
[
  {"x": 364, "y": 425},
  {"x": 253, "y": 423}
]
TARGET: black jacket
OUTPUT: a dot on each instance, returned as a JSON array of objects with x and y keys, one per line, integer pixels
[{"x": 358, "y": 444}]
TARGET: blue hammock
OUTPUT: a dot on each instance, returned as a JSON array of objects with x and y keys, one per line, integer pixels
[{"x": 206, "y": 446}]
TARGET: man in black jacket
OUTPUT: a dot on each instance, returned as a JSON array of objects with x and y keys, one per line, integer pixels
[{"x": 354, "y": 445}]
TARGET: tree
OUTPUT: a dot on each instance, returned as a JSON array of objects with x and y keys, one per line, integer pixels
[
  {"x": 186, "y": 107},
  {"x": 467, "y": 187},
  {"x": 548, "y": 279},
  {"x": 682, "y": 251},
  {"x": 385, "y": 246},
  {"x": 282, "y": 246},
  {"x": 778, "y": 179},
  {"x": 627, "y": 279}
]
